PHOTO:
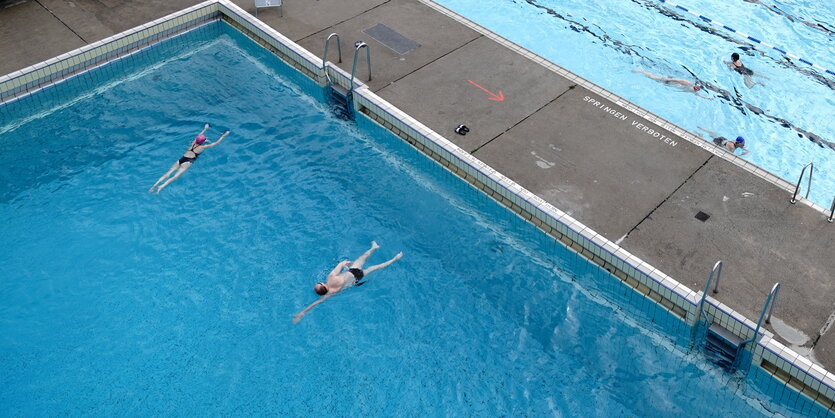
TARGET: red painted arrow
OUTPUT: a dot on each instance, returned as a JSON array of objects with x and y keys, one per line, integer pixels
[{"x": 496, "y": 97}]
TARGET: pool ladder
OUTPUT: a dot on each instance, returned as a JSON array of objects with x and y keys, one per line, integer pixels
[
  {"x": 811, "y": 167},
  {"x": 769, "y": 306},
  {"x": 339, "y": 96},
  {"x": 721, "y": 345}
]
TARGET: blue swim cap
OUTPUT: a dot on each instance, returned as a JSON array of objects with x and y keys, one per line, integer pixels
[{"x": 740, "y": 140}]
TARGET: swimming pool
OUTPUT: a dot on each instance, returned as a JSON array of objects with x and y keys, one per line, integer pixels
[
  {"x": 119, "y": 302},
  {"x": 605, "y": 41}
]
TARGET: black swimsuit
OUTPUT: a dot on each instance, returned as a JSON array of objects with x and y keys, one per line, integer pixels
[
  {"x": 358, "y": 275},
  {"x": 185, "y": 159},
  {"x": 743, "y": 70}
]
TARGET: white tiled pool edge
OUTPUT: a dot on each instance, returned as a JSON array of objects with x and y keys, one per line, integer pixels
[{"x": 643, "y": 278}]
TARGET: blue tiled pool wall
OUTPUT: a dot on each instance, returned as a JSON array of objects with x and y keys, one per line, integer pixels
[
  {"x": 765, "y": 384},
  {"x": 270, "y": 40},
  {"x": 303, "y": 82},
  {"x": 589, "y": 275}
]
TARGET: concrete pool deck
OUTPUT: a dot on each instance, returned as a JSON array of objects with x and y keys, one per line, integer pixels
[{"x": 627, "y": 178}]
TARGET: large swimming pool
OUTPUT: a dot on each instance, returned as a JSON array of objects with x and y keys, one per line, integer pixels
[
  {"x": 605, "y": 40},
  {"x": 117, "y": 302}
]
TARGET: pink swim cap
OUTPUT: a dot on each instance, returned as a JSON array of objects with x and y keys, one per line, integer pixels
[{"x": 200, "y": 139}]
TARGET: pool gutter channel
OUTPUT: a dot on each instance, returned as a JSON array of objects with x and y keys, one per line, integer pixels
[{"x": 768, "y": 354}]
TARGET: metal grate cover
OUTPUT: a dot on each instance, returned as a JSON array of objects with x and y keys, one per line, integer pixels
[{"x": 391, "y": 38}]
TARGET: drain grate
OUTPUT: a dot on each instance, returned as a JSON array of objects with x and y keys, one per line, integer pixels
[
  {"x": 391, "y": 38},
  {"x": 702, "y": 216}
]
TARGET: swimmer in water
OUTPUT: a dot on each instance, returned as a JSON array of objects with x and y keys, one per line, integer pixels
[
  {"x": 747, "y": 74},
  {"x": 346, "y": 274},
  {"x": 732, "y": 146},
  {"x": 191, "y": 154},
  {"x": 679, "y": 83}
]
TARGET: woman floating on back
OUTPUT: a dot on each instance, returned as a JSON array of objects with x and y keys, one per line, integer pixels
[{"x": 191, "y": 154}]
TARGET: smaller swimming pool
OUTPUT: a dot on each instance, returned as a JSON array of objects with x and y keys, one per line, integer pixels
[{"x": 604, "y": 41}]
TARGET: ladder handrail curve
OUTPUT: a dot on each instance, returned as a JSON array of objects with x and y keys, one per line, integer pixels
[
  {"x": 769, "y": 306},
  {"x": 325, "y": 55},
  {"x": 717, "y": 266},
  {"x": 774, "y": 291},
  {"x": 832, "y": 211},
  {"x": 800, "y": 180},
  {"x": 357, "y": 46}
]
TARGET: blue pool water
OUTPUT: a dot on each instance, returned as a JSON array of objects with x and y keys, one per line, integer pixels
[
  {"x": 604, "y": 40},
  {"x": 117, "y": 302}
]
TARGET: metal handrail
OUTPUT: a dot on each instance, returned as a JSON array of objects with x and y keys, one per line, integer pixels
[
  {"x": 357, "y": 46},
  {"x": 832, "y": 211},
  {"x": 769, "y": 306},
  {"x": 808, "y": 185},
  {"x": 325, "y": 55},
  {"x": 717, "y": 266},
  {"x": 774, "y": 291}
]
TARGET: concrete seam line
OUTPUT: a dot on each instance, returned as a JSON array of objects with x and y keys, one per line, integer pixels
[{"x": 62, "y": 22}]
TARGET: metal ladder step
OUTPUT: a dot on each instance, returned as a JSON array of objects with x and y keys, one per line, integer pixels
[
  {"x": 342, "y": 91},
  {"x": 341, "y": 102},
  {"x": 726, "y": 336},
  {"x": 721, "y": 346}
]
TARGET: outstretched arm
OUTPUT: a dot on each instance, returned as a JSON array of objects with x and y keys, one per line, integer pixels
[
  {"x": 205, "y": 128},
  {"x": 299, "y": 315},
  {"x": 218, "y": 140}
]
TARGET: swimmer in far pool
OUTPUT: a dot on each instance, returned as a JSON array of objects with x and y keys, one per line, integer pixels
[
  {"x": 732, "y": 146},
  {"x": 191, "y": 154},
  {"x": 345, "y": 275},
  {"x": 679, "y": 83},
  {"x": 747, "y": 73}
]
